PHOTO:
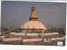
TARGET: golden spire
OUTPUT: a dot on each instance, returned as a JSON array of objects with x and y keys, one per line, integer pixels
[{"x": 33, "y": 16}]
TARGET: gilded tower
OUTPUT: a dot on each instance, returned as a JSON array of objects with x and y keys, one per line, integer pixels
[{"x": 33, "y": 15}]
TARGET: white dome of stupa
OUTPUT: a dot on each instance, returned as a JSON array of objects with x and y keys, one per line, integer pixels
[{"x": 33, "y": 25}]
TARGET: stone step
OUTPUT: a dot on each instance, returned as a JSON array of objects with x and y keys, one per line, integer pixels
[
  {"x": 32, "y": 40},
  {"x": 35, "y": 34}
]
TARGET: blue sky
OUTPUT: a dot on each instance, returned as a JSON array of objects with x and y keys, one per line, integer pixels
[{"x": 15, "y": 13}]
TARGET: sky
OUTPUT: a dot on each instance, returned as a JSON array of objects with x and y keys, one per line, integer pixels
[{"x": 16, "y": 13}]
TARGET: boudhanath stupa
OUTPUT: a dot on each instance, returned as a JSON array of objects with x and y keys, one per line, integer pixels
[
  {"x": 33, "y": 22},
  {"x": 33, "y": 32}
]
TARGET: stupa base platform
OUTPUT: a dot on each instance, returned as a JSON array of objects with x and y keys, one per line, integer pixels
[{"x": 34, "y": 41}]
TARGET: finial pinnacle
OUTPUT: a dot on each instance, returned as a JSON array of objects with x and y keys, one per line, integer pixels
[{"x": 33, "y": 16}]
